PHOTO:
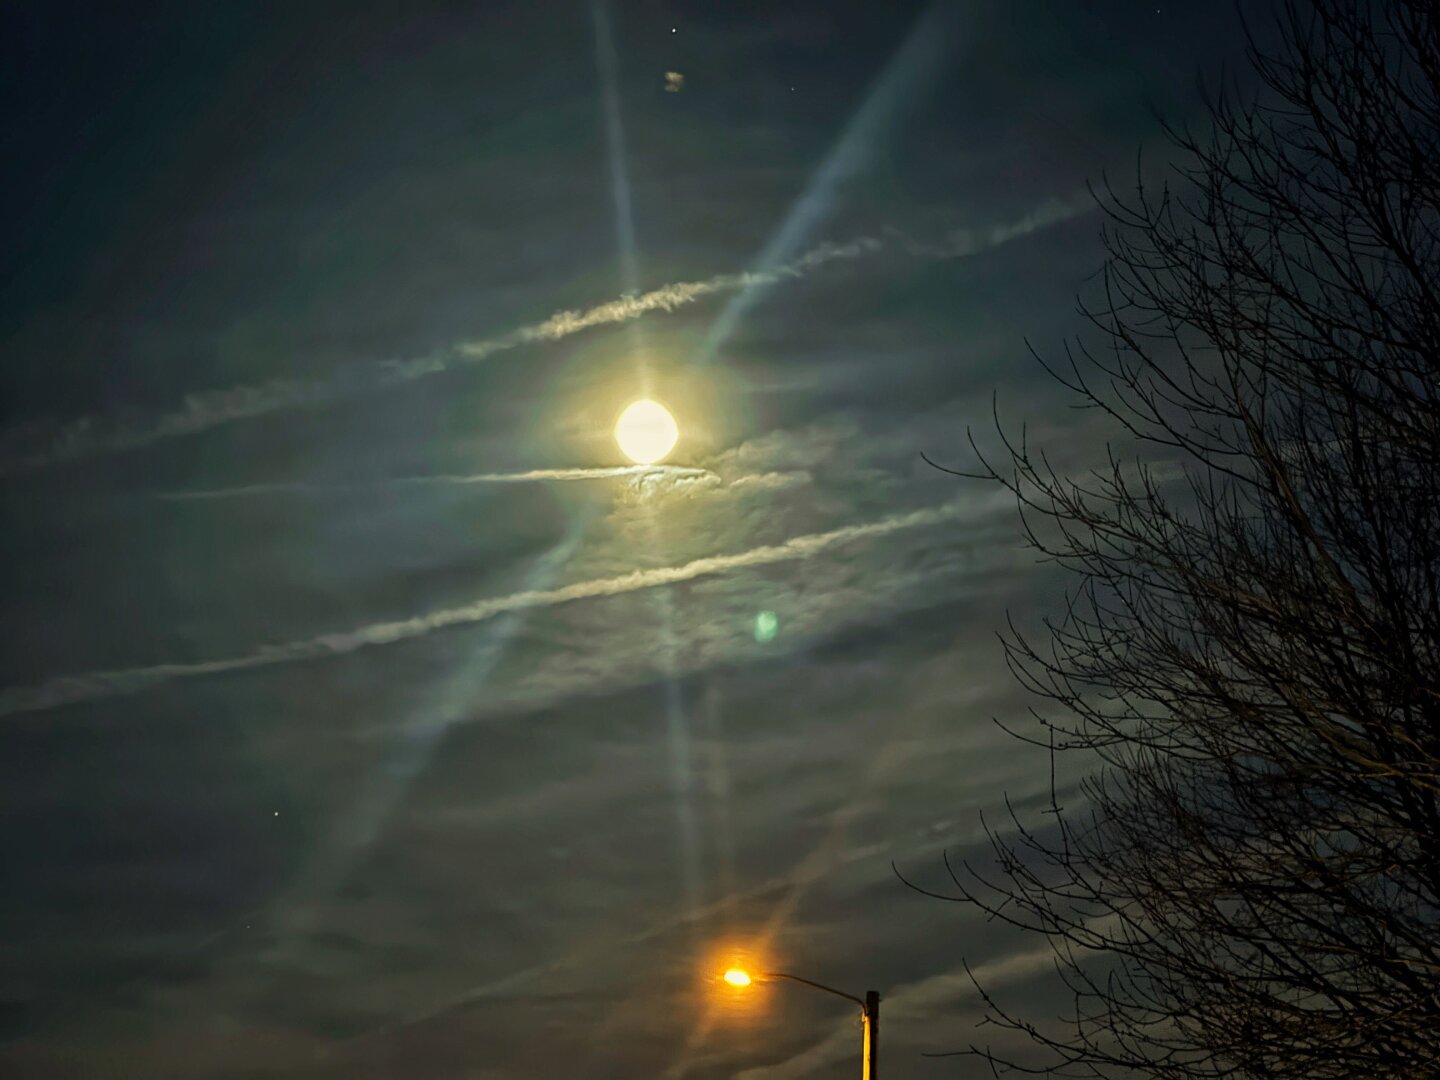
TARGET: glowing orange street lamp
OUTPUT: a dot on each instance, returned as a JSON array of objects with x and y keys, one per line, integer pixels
[{"x": 869, "y": 1012}]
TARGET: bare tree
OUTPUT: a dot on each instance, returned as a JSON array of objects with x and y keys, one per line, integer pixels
[{"x": 1252, "y": 887}]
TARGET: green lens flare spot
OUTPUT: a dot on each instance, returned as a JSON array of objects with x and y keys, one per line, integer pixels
[{"x": 767, "y": 625}]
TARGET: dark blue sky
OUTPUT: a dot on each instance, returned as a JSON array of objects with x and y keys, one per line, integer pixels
[{"x": 356, "y": 720}]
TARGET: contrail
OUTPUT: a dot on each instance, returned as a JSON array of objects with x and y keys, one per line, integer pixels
[
  {"x": 204, "y": 410},
  {"x": 101, "y": 685},
  {"x": 208, "y": 409},
  {"x": 958, "y": 243},
  {"x": 530, "y": 476}
]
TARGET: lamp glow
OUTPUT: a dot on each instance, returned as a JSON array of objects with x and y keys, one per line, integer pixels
[
  {"x": 646, "y": 432},
  {"x": 736, "y": 977}
]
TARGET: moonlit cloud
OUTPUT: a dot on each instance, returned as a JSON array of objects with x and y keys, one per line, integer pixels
[
  {"x": 280, "y": 396},
  {"x": 530, "y": 476},
  {"x": 960, "y": 242},
  {"x": 108, "y": 684},
  {"x": 208, "y": 409}
]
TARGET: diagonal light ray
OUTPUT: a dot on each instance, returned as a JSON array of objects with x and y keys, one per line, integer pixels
[
  {"x": 388, "y": 787},
  {"x": 417, "y": 743},
  {"x": 909, "y": 73},
  {"x": 691, "y": 917},
  {"x": 101, "y": 685},
  {"x": 608, "y": 62},
  {"x": 906, "y": 76}
]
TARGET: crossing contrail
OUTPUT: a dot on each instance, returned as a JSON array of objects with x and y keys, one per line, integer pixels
[{"x": 102, "y": 685}]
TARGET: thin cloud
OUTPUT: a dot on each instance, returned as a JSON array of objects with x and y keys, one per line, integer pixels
[
  {"x": 101, "y": 685},
  {"x": 1051, "y": 212},
  {"x": 958, "y": 243},
  {"x": 208, "y": 409},
  {"x": 530, "y": 476}
]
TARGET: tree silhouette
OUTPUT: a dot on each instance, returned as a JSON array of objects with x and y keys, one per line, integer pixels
[{"x": 1252, "y": 648}]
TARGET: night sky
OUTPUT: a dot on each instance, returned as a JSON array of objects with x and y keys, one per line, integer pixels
[{"x": 361, "y": 713}]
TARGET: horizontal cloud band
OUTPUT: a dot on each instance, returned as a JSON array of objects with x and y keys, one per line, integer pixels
[
  {"x": 530, "y": 476},
  {"x": 208, "y": 409},
  {"x": 102, "y": 685}
]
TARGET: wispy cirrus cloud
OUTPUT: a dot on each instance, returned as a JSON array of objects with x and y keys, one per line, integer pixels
[
  {"x": 207, "y": 409},
  {"x": 529, "y": 476},
  {"x": 958, "y": 243},
  {"x": 100, "y": 685}
]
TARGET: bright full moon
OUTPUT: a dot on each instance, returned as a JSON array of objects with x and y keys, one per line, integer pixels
[{"x": 646, "y": 432}]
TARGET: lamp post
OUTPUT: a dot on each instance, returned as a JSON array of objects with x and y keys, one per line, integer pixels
[{"x": 869, "y": 1013}]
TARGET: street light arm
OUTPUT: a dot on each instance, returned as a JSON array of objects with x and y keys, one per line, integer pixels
[{"x": 818, "y": 986}]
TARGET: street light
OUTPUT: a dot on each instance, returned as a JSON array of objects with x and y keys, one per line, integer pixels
[{"x": 869, "y": 1012}]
